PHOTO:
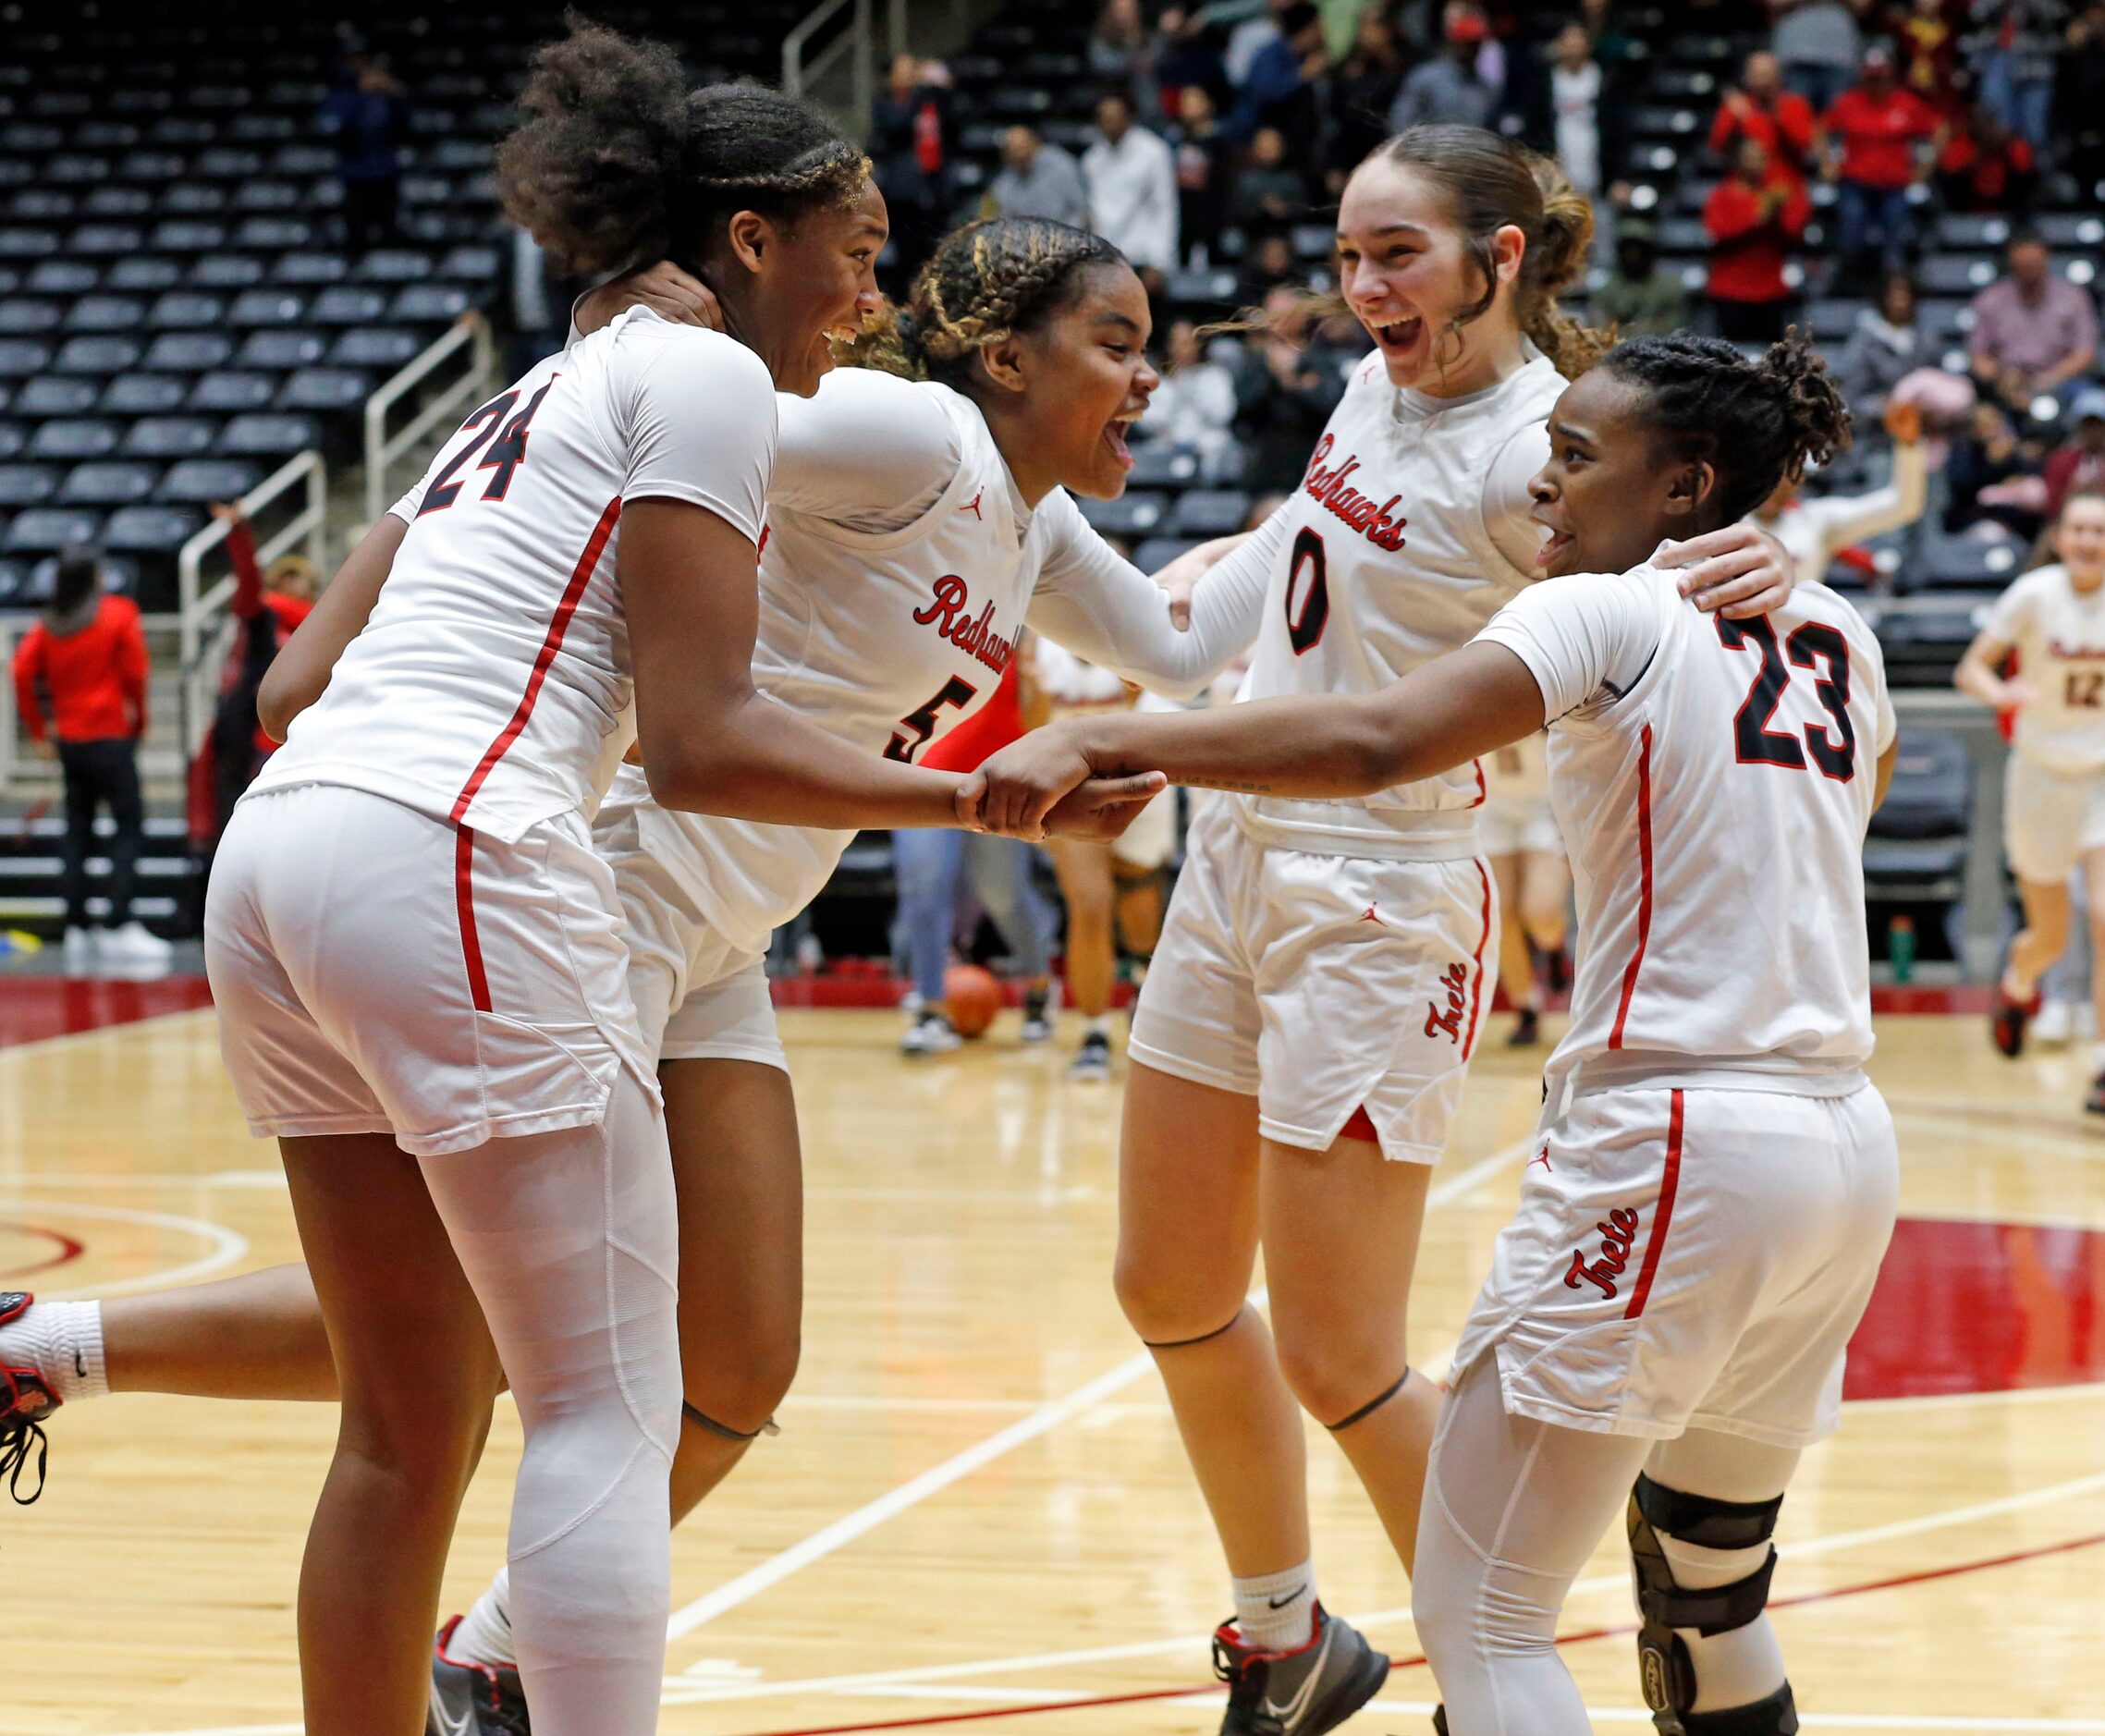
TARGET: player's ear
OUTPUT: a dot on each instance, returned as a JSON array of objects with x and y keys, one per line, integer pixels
[
  {"x": 1691, "y": 489},
  {"x": 750, "y": 237},
  {"x": 1003, "y": 363}
]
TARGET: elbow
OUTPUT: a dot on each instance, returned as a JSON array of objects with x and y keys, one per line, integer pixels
[
  {"x": 1375, "y": 759},
  {"x": 277, "y": 705}
]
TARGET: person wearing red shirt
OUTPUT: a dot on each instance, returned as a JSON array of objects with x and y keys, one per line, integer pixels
[
  {"x": 1985, "y": 167},
  {"x": 1756, "y": 218},
  {"x": 1781, "y": 121},
  {"x": 81, "y": 687},
  {"x": 1876, "y": 142}
]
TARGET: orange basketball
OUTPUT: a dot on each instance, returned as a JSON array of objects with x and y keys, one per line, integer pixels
[{"x": 972, "y": 997}]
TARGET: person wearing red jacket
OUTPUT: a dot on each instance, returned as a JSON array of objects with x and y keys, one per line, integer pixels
[
  {"x": 1781, "y": 121},
  {"x": 1755, "y": 218},
  {"x": 81, "y": 687},
  {"x": 1876, "y": 142}
]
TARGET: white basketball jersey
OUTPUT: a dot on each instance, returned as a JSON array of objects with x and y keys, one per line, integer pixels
[
  {"x": 491, "y": 685},
  {"x": 2059, "y": 634},
  {"x": 1712, "y": 780},
  {"x": 885, "y": 641},
  {"x": 1384, "y": 561}
]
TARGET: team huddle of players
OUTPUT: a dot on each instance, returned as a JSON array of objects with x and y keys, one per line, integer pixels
[{"x": 603, "y": 699}]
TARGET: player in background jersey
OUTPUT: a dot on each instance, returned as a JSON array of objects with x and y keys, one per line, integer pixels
[
  {"x": 1534, "y": 880},
  {"x": 1678, "y": 1326},
  {"x": 905, "y": 547},
  {"x": 1285, "y": 1086},
  {"x": 2054, "y": 806}
]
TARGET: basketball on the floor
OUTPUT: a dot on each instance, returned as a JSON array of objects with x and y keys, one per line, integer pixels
[{"x": 972, "y": 997}]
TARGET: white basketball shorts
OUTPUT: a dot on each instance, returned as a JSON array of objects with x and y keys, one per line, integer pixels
[
  {"x": 1691, "y": 1259},
  {"x": 1520, "y": 825},
  {"x": 379, "y": 970},
  {"x": 1151, "y": 841},
  {"x": 698, "y": 996},
  {"x": 2050, "y": 820},
  {"x": 1322, "y": 986}
]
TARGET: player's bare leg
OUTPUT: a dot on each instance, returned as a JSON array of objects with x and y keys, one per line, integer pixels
[
  {"x": 2043, "y": 939},
  {"x": 1545, "y": 893},
  {"x": 419, "y": 1372},
  {"x": 1340, "y": 1239},
  {"x": 2094, "y": 881},
  {"x": 1087, "y": 883},
  {"x": 1516, "y": 968},
  {"x": 1139, "y": 906},
  {"x": 259, "y": 1336},
  {"x": 1187, "y": 1246}
]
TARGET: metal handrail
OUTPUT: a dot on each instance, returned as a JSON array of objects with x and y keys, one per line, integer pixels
[
  {"x": 472, "y": 331},
  {"x": 800, "y": 76},
  {"x": 202, "y": 623}
]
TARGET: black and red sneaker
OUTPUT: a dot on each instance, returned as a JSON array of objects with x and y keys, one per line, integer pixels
[
  {"x": 2008, "y": 1018},
  {"x": 25, "y": 1402},
  {"x": 1314, "y": 1687},
  {"x": 471, "y": 1699}
]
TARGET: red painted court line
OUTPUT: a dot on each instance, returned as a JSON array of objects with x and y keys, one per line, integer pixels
[
  {"x": 1897, "y": 1580},
  {"x": 70, "y": 1249}
]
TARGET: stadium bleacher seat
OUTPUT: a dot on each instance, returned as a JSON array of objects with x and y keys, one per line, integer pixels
[{"x": 1207, "y": 512}]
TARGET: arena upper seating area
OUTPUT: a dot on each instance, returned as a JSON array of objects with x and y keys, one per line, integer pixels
[{"x": 180, "y": 309}]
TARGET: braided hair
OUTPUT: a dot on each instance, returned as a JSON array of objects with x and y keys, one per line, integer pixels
[
  {"x": 616, "y": 162},
  {"x": 1755, "y": 422},
  {"x": 985, "y": 282}
]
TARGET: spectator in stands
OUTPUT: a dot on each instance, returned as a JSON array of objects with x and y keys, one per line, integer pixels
[
  {"x": 1269, "y": 264},
  {"x": 2035, "y": 334},
  {"x": 1762, "y": 109},
  {"x": 1985, "y": 167},
  {"x": 909, "y": 131},
  {"x": 1984, "y": 471},
  {"x": 1194, "y": 406},
  {"x": 1816, "y": 42},
  {"x": 2079, "y": 100},
  {"x": 1267, "y": 190},
  {"x": 1364, "y": 87},
  {"x": 2013, "y": 66},
  {"x": 1283, "y": 396},
  {"x": 368, "y": 119},
  {"x": 1122, "y": 49},
  {"x": 1201, "y": 174},
  {"x": 1883, "y": 349},
  {"x": 1130, "y": 175},
  {"x": 2078, "y": 466},
  {"x": 1755, "y": 218},
  {"x": 1877, "y": 141},
  {"x": 1285, "y": 83},
  {"x": 1575, "y": 82},
  {"x": 1639, "y": 299},
  {"x": 1449, "y": 87},
  {"x": 1038, "y": 179},
  {"x": 1251, "y": 38},
  {"x": 268, "y": 607},
  {"x": 80, "y": 688}
]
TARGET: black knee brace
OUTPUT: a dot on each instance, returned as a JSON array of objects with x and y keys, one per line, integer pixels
[
  {"x": 723, "y": 1431},
  {"x": 1665, "y": 1670}
]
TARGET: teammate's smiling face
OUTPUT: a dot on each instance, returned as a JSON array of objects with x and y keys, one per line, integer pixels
[
  {"x": 2079, "y": 538},
  {"x": 1408, "y": 273},
  {"x": 1065, "y": 394},
  {"x": 1607, "y": 496},
  {"x": 801, "y": 283}
]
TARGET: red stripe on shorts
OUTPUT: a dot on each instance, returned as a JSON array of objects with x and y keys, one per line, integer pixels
[
  {"x": 464, "y": 896},
  {"x": 1662, "y": 1215},
  {"x": 1644, "y": 883},
  {"x": 1482, "y": 790},
  {"x": 595, "y": 547},
  {"x": 1476, "y": 987}
]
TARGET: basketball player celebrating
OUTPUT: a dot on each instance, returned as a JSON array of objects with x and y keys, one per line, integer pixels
[
  {"x": 886, "y": 486},
  {"x": 1678, "y": 1324},
  {"x": 2054, "y": 806},
  {"x": 1286, "y": 1087}
]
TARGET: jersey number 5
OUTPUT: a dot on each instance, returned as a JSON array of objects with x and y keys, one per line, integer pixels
[
  {"x": 921, "y": 724},
  {"x": 1809, "y": 647}
]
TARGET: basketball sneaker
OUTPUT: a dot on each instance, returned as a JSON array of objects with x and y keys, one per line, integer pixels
[
  {"x": 1314, "y": 1687},
  {"x": 469, "y": 1699},
  {"x": 2095, "y": 1103},
  {"x": 2055, "y": 1025},
  {"x": 2007, "y": 1021},
  {"x": 1037, "y": 1015},
  {"x": 1091, "y": 1063},
  {"x": 931, "y": 1034},
  {"x": 26, "y": 1399},
  {"x": 1527, "y": 1030}
]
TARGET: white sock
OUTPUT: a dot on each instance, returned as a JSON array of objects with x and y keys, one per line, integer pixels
[
  {"x": 485, "y": 1634},
  {"x": 62, "y": 1341},
  {"x": 1276, "y": 1612},
  {"x": 1100, "y": 1026}
]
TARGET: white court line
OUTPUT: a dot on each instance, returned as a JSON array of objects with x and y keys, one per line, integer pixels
[
  {"x": 1047, "y": 1417},
  {"x": 262, "y": 1178},
  {"x": 228, "y": 1246}
]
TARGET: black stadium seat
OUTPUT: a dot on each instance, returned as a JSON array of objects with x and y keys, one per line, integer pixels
[
  {"x": 429, "y": 304},
  {"x": 187, "y": 310},
  {"x": 170, "y": 437},
  {"x": 267, "y": 307},
  {"x": 308, "y": 269},
  {"x": 75, "y": 440},
  {"x": 348, "y": 304},
  {"x": 19, "y": 358},
  {"x": 14, "y": 437},
  {"x": 188, "y": 352},
  {"x": 1132, "y": 516},
  {"x": 27, "y": 486},
  {"x": 46, "y": 530},
  {"x": 143, "y": 395},
  {"x": 226, "y": 271},
  {"x": 374, "y": 347},
  {"x": 325, "y": 390},
  {"x": 268, "y": 435},
  {"x": 1206, "y": 512},
  {"x": 118, "y": 483},
  {"x": 56, "y": 395},
  {"x": 107, "y": 313},
  {"x": 228, "y": 392},
  {"x": 199, "y": 481},
  {"x": 147, "y": 275},
  {"x": 28, "y": 316},
  {"x": 61, "y": 277},
  {"x": 283, "y": 348},
  {"x": 99, "y": 355}
]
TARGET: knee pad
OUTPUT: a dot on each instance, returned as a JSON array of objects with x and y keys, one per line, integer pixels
[{"x": 1666, "y": 1672}]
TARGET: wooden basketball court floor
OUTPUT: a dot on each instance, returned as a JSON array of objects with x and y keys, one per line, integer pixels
[{"x": 977, "y": 1510}]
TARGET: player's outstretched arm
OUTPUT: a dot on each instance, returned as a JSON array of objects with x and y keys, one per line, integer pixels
[{"x": 1444, "y": 713}]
